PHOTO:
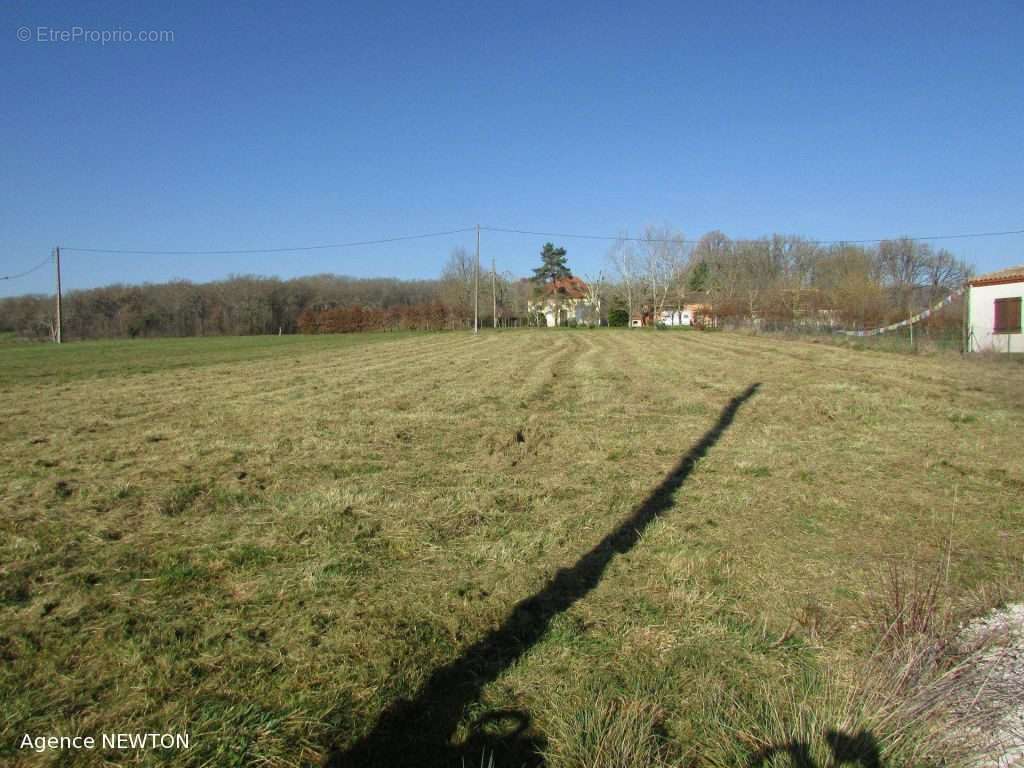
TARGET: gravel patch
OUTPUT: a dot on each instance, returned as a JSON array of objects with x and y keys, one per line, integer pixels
[{"x": 987, "y": 688}]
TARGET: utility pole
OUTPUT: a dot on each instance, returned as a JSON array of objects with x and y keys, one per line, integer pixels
[
  {"x": 57, "y": 337},
  {"x": 476, "y": 285},
  {"x": 494, "y": 293}
]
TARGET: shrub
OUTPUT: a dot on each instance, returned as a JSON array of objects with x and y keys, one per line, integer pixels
[
  {"x": 427, "y": 316},
  {"x": 618, "y": 318}
]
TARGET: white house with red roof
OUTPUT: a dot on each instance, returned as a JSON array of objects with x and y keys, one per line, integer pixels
[
  {"x": 566, "y": 301},
  {"x": 993, "y": 311}
]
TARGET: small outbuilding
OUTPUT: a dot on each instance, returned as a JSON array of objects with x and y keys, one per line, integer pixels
[{"x": 993, "y": 311}]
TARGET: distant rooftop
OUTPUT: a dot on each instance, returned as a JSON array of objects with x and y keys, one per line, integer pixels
[
  {"x": 571, "y": 287},
  {"x": 1008, "y": 275}
]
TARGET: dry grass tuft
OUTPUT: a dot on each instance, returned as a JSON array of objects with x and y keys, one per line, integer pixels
[
  {"x": 910, "y": 607},
  {"x": 603, "y": 733}
]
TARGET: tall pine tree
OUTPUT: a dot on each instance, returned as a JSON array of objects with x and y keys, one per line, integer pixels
[{"x": 552, "y": 267}]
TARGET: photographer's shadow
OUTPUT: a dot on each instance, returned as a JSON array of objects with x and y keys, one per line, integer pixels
[{"x": 418, "y": 731}]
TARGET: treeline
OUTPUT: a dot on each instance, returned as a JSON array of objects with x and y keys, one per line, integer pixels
[
  {"x": 248, "y": 305},
  {"x": 433, "y": 316},
  {"x": 240, "y": 305},
  {"x": 779, "y": 280},
  {"x": 784, "y": 280}
]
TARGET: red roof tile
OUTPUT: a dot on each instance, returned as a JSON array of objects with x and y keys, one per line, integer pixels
[
  {"x": 1008, "y": 275},
  {"x": 569, "y": 287}
]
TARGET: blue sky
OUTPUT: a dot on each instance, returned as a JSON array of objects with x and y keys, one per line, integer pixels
[{"x": 268, "y": 125}]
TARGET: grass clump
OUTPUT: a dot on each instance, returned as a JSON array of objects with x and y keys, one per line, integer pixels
[
  {"x": 608, "y": 733},
  {"x": 181, "y": 498}
]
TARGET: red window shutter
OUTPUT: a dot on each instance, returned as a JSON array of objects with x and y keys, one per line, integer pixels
[{"x": 1007, "y": 318}]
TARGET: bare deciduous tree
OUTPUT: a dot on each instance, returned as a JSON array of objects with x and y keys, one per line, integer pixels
[
  {"x": 457, "y": 285},
  {"x": 595, "y": 290},
  {"x": 626, "y": 263},
  {"x": 664, "y": 263}
]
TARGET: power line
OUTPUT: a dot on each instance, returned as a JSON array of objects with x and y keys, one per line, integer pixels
[
  {"x": 505, "y": 230},
  {"x": 694, "y": 242},
  {"x": 292, "y": 249},
  {"x": 36, "y": 268}
]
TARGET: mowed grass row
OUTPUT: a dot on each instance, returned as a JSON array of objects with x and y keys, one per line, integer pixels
[{"x": 267, "y": 542}]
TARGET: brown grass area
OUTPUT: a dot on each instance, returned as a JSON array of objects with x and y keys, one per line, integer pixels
[{"x": 268, "y": 553}]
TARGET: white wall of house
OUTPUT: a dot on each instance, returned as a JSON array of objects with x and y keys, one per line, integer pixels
[
  {"x": 551, "y": 317},
  {"x": 571, "y": 309},
  {"x": 676, "y": 317},
  {"x": 982, "y": 314}
]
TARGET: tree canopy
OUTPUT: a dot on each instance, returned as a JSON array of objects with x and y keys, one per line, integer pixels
[
  {"x": 553, "y": 266},
  {"x": 699, "y": 277}
]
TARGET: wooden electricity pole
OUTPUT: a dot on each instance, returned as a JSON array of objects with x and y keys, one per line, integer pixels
[
  {"x": 494, "y": 293},
  {"x": 476, "y": 285},
  {"x": 60, "y": 323}
]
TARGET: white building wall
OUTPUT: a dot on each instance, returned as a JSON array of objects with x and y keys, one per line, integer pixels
[
  {"x": 571, "y": 309},
  {"x": 982, "y": 316},
  {"x": 675, "y": 317}
]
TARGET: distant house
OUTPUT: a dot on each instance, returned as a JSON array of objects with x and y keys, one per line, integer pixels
[
  {"x": 993, "y": 311},
  {"x": 683, "y": 315},
  {"x": 566, "y": 301},
  {"x": 675, "y": 318}
]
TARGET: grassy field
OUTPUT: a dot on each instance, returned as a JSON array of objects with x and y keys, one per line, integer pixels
[{"x": 602, "y": 547}]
